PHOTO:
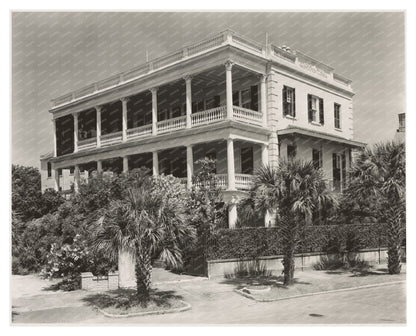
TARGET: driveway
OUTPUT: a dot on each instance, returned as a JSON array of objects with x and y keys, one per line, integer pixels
[{"x": 214, "y": 302}]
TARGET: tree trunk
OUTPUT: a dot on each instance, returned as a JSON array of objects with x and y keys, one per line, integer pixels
[
  {"x": 126, "y": 268},
  {"x": 394, "y": 239},
  {"x": 143, "y": 277},
  {"x": 289, "y": 240}
]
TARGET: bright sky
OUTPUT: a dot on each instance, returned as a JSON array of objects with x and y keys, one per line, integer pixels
[{"x": 55, "y": 53}]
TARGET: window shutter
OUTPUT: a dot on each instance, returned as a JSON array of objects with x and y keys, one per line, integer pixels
[
  {"x": 254, "y": 104},
  {"x": 321, "y": 111},
  {"x": 294, "y": 102},
  {"x": 310, "y": 118},
  {"x": 284, "y": 94}
]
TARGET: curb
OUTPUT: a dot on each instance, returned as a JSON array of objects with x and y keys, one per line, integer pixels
[
  {"x": 249, "y": 296},
  {"x": 153, "y": 312}
]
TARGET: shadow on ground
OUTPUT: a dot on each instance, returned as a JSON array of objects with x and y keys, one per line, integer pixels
[{"x": 126, "y": 298}]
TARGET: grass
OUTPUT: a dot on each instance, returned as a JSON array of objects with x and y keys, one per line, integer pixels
[
  {"x": 314, "y": 281},
  {"x": 125, "y": 301}
]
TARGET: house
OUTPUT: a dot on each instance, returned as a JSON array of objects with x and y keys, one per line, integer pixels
[
  {"x": 227, "y": 98},
  {"x": 401, "y": 131}
]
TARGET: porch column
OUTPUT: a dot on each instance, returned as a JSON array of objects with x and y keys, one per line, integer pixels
[
  {"x": 99, "y": 166},
  {"x": 76, "y": 178},
  {"x": 270, "y": 219},
  {"x": 189, "y": 165},
  {"x": 75, "y": 132},
  {"x": 124, "y": 120},
  {"x": 263, "y": 99},
  {"x": 155, "y": 164},
  {"x": 232, "y": 214},
  {"x": 56, "y": 179},
  {"x": 55, "y": 149},
  {"x": 188, "y": 80},
  {"x": 230, "y": 164},
  {"x": 125, "y": 164},
  {"x": 98, "y": 109},
  {"x": 264, "y": 154},
  {"x": 154, "y": 110},
  {"x": 229, "y": 88}
]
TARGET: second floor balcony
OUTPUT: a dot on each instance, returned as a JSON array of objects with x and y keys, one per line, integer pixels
[{"x": 225, "y": 92}]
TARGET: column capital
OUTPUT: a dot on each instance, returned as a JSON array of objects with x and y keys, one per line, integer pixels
[
  {"x": 228, "y": 65},
  {"x": 153, "y": 90},
  {"x": 262, "y": 77},
  {"x": 98, "y": 108},
  {"x": 188, "y": 78},
  {"x": 124, "y": 99},
  {"x": 76, "y": 114}
]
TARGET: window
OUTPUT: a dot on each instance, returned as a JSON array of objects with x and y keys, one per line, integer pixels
[
  {"x": 49, "y": 169},
  {"x": 337, "y": 116},
  {"x": 315, "y": 109},
  {"x": 60, "y": 172},
  {"x": 247, "y": 163},
  {"x": 289, "y": 107},
  {"x": 197, "y": 106},
  {"x": 291, "y": 152},
  {"x": 317, "y": 158},
  {"x": 247, "y": 98},
  {"x": 339, "y": 171}
]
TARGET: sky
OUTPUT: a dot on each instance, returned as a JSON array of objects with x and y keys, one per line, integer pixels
[{"x": 56, "y": 53}]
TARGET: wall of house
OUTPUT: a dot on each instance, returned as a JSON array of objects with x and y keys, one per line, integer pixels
[
  {"x": 304, "y": 147},
  {"x": 302, "y": 89}
]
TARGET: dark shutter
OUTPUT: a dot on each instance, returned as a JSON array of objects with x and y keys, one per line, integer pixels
[
  {"x": 236, "y": 100},
  {"x": 254, "y": 104},
  {"x": 294, "y": 102},
  {"x": 217, "y": 101},
  {"x": 321, "y": 111},
  {"x": 284, "y": 94},
  {"x": 310, "y": 117}
]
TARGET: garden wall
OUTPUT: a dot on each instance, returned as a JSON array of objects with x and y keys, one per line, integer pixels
[
  {"x": 99, "y": 283},
  {"x": 224, "y": 267}
]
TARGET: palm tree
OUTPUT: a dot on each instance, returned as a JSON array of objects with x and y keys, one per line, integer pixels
[
  {"x": 148, "y": 224},
  {"x": 379, "y": 174},
  {"x": 294, "y": 190}
]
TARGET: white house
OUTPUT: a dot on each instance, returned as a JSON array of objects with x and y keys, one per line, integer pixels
[{"x": 227, "y": 97}]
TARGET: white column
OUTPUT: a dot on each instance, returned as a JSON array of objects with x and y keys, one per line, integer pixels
[
  {"x": 263, "y": 99},
  {"x": 75, "y": 132},
  {"x": 56, "y": 179},
  {"x": 229, "y": 88},
  {"x": 99, "y": 166},
  {"x": 125, "y": 164},
  {"x": 230, "y": 164},
  {"x": 232, "y": 214},
  {"x": 124, "y": 120},
  {"x": 98, "y": 109},
  {"x": 188, "y": 80},
  {"x": 76, "y": 178},
  {"x": 55, "y": 149},
  {"x": 155, "y": 164},
  {"x": 264, "y": 155},
  {"x": 154, "y": 110},
  {"x": 189, "y": 165}
]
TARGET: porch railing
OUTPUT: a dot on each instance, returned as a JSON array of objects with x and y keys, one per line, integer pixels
[
  {"x": 138, "y": 132},
  {"x": 246, "y": 115},
  {"x": 208, "y": 116},
  {"x": 111, "y": 138},
  {"x": 170, "y": 125},
  {"x": 243, "y": 181},
  {"x": 87, "y": 144}
]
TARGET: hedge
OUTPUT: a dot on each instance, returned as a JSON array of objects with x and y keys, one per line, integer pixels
[{"x": 257, "y": 242}]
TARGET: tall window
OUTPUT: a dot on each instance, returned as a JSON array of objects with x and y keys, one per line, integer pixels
[
  {"x": 337, "y": 116},
  {"x": 289, "y": 107},
  {"x": 247, "y": 98},
  {"x": 49, "y": 169},
  {"x": 315, "y": 109},
  {"x": 317, "y": 158},
  {"x": 291, "y": 152}
]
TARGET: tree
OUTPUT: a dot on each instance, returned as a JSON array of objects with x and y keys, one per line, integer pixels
[
  {"x": 294, "y": 190},
  {"x": 149, "y": 223},
  {"x": 379, "y": 175}
]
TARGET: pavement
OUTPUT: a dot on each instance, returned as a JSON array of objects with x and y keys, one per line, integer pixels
[{"x": 215, "y": 303}]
